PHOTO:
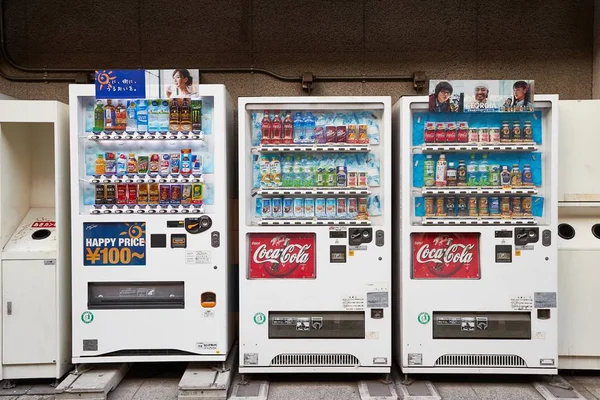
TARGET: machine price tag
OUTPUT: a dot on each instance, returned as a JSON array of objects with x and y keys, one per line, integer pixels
[{"x": 114, "y": 243}]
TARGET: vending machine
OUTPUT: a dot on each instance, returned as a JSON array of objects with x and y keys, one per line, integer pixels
[
  {"x": 476, "y": 238},
  {"x": 149, "y": 194},
  {"x": 315, "y": 239},
  {"x": 579, "y": 235},
  {"x": 35, "y": 255}
]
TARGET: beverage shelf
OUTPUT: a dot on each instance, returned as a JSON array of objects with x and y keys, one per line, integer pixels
[
  {"x": 491, "y": 147},
  {"x": 521, "y": 190},
  {"x": 320, "y": 222},
  {"x": 344, "y": 191},
  {"x": 314, "y": 148},
  {"x": 154, "y": 209},
  {"x": 145, "y": 179},
  {"x": 478, "y": 221},
  {"x": 145, "y": 136}
]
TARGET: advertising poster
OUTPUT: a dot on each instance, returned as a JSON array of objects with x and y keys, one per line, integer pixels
[
  {"x": 114, "y": 244},
  {"x": 481, "y": 96},
  {"x": 445, "y": 255},
  {"x": 282, "y": 255},
  {"x": 120, "y": 84},
  {"x": 173, "y": 83}
]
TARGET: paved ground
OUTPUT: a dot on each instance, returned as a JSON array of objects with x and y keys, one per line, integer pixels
[{"x": 159, "y": 382}]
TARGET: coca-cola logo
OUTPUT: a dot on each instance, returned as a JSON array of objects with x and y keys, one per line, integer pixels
[
  {"x": 443, "y": 257},
  {"x": 279, "y": 256}
]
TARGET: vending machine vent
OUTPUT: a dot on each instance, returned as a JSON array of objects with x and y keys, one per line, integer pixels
[
  {"x": 335, "y": 360},
  {"x": 480, "y": 360}
]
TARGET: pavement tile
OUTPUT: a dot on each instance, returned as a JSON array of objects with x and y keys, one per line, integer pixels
[
  {"x": 506, "y": 391},
  {"x": 158, "y": 389},
  {"x": 456, "y": 391},
  {"x": 313, "y": 391},
  {"x": 126, "y": 389}
]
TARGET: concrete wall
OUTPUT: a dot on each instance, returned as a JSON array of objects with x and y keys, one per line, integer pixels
[{"x": 550, "y": 41}]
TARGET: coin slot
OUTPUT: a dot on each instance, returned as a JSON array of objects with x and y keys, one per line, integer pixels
[
  {"x": 40, "y": 234},
  {"x": 596, "y": 231},
  {"x": 567, "y": 232}
]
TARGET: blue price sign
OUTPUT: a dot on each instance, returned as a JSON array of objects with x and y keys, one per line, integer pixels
[
  {"x": 114, "y": 243},
  {"x": 121, "y": 84}
]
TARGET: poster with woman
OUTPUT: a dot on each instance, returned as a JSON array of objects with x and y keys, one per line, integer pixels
[{"x": 179, "y": 83}]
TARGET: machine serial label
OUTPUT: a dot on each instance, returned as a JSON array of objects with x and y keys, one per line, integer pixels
[
  {"x": 358, "y": 248},
  {"x": 521, "y": 303},
  {"x": 197, "y": 257},
  {"x": 206, "y": 345},
  {"x": 353, "y": 303}
]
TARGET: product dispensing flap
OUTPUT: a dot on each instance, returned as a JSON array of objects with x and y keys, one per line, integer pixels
[{"x": 135, "y": 295}]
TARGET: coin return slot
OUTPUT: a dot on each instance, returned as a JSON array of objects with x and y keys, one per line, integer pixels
[
  {"x": 40, "y": 234},
  {"x": 543, "y": 314},
  {"x": 567, "y": 232},
  {"x": 596, "y": 231}
]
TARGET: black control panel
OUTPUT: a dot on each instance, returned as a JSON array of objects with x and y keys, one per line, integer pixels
[
  {"x": 358, "y": 236},
  {"x": 198, "y": 225},
  {"x": 528, "y": 235}
]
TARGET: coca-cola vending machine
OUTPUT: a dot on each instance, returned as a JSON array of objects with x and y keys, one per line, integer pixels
[
  {"x": 475, "y": 244},
  {"x": 315, "y": 234}
]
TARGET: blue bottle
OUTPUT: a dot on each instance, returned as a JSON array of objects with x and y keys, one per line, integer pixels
[
  {"x": 309, "y": 128},
  {"x": 142, "y": 116},
  {"x": 153, "y": 116},
  {"x": 298, "y": 128}
]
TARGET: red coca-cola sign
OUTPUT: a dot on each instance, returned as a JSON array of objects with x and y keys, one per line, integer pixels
[
  {"x": 282, "y": 255},
  {"x": 445, "y": 255}
]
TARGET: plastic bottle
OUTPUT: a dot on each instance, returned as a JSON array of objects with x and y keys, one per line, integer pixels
[
  {"x": 99, "y": 117},
  {"x": 121, "y": 117},
  {"x": 298, "y": 171},
  {"x": 429, "y": 171},
  {"x": 288, "y": 171},
  {"x": 90, "y": 118},
  {"x": 153, "y": 116},
  {"x": 472, "y": 172},
  {"x": 451, "y": 175},
  {"x": 309, "y": 128},
  {"x": 298, "y": 128},
  {"x": 132, "y": 122},
  {"x": 309, "y": 171},
  {"x": 288, "y": 129},
  {"x": 276, "y": 172},
  {"x": 100, "y": 165},
  {"x": 277, "y": 129},
  {"x": 461, "y": 173},
  {"x": 484, "y": 171},
  {"x": 266, "y": 129},
  {"x": 142, "y": 115},
  {"x": 440, "y": 171},
  {"x": 109, "y": 117},
  {"x": 163, "y": 116},
  {"x": 122, "y": 164}
]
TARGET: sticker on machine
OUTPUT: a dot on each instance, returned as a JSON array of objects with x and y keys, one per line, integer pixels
[
  {"x": 521, "y": 303},
  {"x": 208, "y": 314},
  {"x": 445, "y": 255},
  {"x": 377, "y": 300},
  {"x": 206, "y": 345},
  {"x": 353, "y": 303},
  {"x": 197, "y": 257},
  {"x": 544, "y": 299},
  {"x": 114, "y": 243}
]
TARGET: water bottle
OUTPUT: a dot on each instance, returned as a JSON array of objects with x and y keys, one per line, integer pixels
[
  {"x": 132, "y": 125},
  {"x": 298, "y": 172},
  {"x": 163, "y": 116},
  {"x": 153, "y": 116},
  {"x": 484, "y": 171},
  {"x": 472, "y": 172},
  {"x": 309, "y": 128},
  {"x": 298, "y": 128},
  {"x": 142, "y": 116},
  {"x": 309, "y": 171}
]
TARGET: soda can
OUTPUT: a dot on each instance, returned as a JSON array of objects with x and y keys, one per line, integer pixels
[
  {"x": 461, "y": 206},
  {"x": 363, "y": 208},
  {"x": 362, "y": 179},
  {"x": 197, "y": 193},
  {"x": 142, "y": 193},
  {"x": 165, "y": 194},
  {"x": 494, "y": 135},
  {"x": 258, "y": 209},
  {"x": 186, "y": 194},
  {"x": 494, "y": 204},
  {"x": 440, "y": 132},
  {"x": 473, "y": 135},
  {"x": 121, "y": 193},
  {"x": 175, "y": 194},
  {"x": 527, "y": 132},
  {"x": 352, "y": 207},
  {"x": 429, "y": 207},
  {"x": 352, "y": 179},
  {"x": 153, "y": 194},
  {"x": 484, "y": 135},
  {"x": 341, "y": 135},
  {"x": 352, "y": 134},
  {"x": 341, "y": 208},
  {"x": 462, "y": 136},
  {"x": 330, "y": 208},
  {"x": 363, "y": 136},
  {"x": 472, "y": 206},
  {"x": 451, "y": 133},
  {"x": 451, "y": 206},
  {"x": 505, "y": 132},
  {"x": 320, "y": 211},
  {"x": 516, "y": 132},
  {"x": 439, "y": 207},
  {"x": 429, "y": 134},
  {"x": 267, "y": 208},
  {"x": 277, "y": 206},
  {"x": 342, "y": 176},
  {"x": 483, "y": 206},
  {"x": 516, "y": 207},
  {"x": 320, "y": 136},
  {"x": 288, "y": 207},
  {"x": 143, "y": 162},
  {"x": 505, "y": 206},
  {"x": 526, "y": 207},
  {"x": 100, "y": 194},
  {"x": 131, "y": 193},
  {"x": 330, "y": 134},
  {"x": 309, "y": 207}
]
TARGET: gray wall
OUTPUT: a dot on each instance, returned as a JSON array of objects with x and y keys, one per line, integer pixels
[{"x": 550, "y": 41}]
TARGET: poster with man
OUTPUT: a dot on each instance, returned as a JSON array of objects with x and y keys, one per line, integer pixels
[{"x": 481, "y": 96}]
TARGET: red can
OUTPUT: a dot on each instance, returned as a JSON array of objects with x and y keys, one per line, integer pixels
[
  {"x": 121, "y": 193},
  {"x": 429, "y": 132},
  {"x": 363, "y": 135},
  {"x": 462, "y": 135},
  {"x": 352, "y": 205},
  {"x": 132, "y": 193},
  {"x": 341, "y": 207},
  {"x": 341, "y": 134},
  {"x": 352, "y": 134},
  {"x": 362, "y": 179},
  {"x": 440, "y": 132},
  {"x": 330, "y": 134},
  {"x": 451, "y": 134},
  {"x": 165, "y": 194}
]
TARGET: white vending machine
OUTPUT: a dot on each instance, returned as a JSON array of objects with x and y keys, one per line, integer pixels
[
  {"x": 36, "y": 239},
  {"x": 315, "y": 239},
  {"x": 476, "y": 267},
  {"x": 579, "y": 235},
  {"x": 149, "y": 193}
]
